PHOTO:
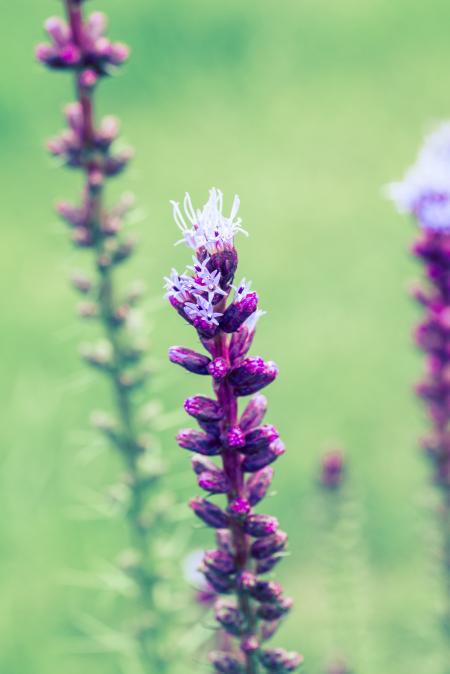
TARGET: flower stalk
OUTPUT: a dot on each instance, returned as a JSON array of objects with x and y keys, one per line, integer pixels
[
  {"x": 79, "y": 46},
  {"x": 248, "y": 543}
]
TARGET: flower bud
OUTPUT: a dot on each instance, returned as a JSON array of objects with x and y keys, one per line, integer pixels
[
  {"x": 267, "y": 564},
  {"x": 255, "y": 462},
  {"x": 215, "y": 482},
  {"x": 226, "y": 262},
  {"x": 196, "y": 441},
  {"x": 203, "y": 408},
  {"x": 218, "y": 369},
  {"x": 224, "y": 540},
  {"x": 259, "y": 438},
  {"x": 224, "y": 663},
  {"x": 235, "y": 438},
  {"x": 201, "y": 464},
  {"x": 58, "y": 30},
  {"x": 221, "y": 583},
  {"x": 260, "y": 526},
  {"x": 251, "y": 375},
  {"x": 266, "y": 547},
  {"x": 209, "y": 513},
  {"x": 230, "y": 618},
  {"x": 239, "y": 507},
  {"x": 258, "y": 484},
  {"x": 190, "y": 360},
  {"x": 280, "y": 661},
  {"x": 238, "y": 312},
  {"x": 219, "y": 561},
  {"x": 266, "y": 591},
  {"x": 332, "y": 469},
  {"x": 275, "y": 611},
  {"x": 254, "y": 412}
]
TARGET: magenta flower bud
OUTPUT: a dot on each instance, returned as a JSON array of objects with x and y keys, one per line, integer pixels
[
  {"x": 215, "y": 482},
  {"x": 279, "y": 661},
  {"x": 266, "y": 591},
  {"x": 230, "y": 618},
  {"x": 196, "y": 441},
  {"x": 203, "y": 408},
  {"x": 88, "y": 78},
  {"x": 238, "y": 312},
  {"x": 246, "y": 580},
  {"x": 266, "y": 565},
  {"x": 266, "y": 547},
  {"x": 74, "y": 216},
  {"x": 190, "y": 360},
  {"x": 255, "y": 462},
  {"x": 224, "y": 663},
  {"x": 74, "y": 116},
  {"x": 222, "y": 584},
  {"x": 96, "y": 25},
  {"x": 201, "y": 464},
  {"x": 58, "y": 30},
  {"x": 240, "y": 507},
  {"x": 269, "y": 628},
  {"x": 251, "y": 375},
  {"x": 210, "y": 427},
  {"x": 119, "y": 53},
  {"x": 275, "y": 611},
  {"x": 219, "y": 561},
  {"x": 108, "y": 132},
  {"x": 235, "y": 438},
  {"x": 209, "y": 513},
  {"x": 260, "y": 438},
  {"x": 226, "y": 263},
  {"x": 332, "y": 469},
  {"x": 258, "y": 484},
  {"x": 254, "y": 412},
  {"x": 70, "y": 55},
  {"x": 45, "y": 53},
  {"x": 218, "y": 369},
  {"x": 116, "y": 164},
  {"x": 260, "y": 526},
  {"x": 249, "y": 644}
]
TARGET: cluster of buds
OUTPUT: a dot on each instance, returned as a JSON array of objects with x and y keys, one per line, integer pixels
[
  {"x": 81, "y": 46},
  {"x": 332, "y": 469},
  {"x": 248, "y": 607},
  {"x": 425, "y": 194}
]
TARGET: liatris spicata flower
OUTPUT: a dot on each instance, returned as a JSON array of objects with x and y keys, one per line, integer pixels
[
  {"x": 249, "y": 544},
  {"x": 80, "y": 47},
  {"x": 424, "y": 193}
]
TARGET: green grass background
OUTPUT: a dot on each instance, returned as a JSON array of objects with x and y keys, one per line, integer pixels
[{"x": 305, "y": 108}]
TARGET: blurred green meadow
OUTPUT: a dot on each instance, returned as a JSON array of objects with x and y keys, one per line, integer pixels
[{"x": 305, "y": 108}]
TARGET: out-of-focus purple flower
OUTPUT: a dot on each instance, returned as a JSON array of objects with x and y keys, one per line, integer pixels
[{"x": 332, "y": 469}]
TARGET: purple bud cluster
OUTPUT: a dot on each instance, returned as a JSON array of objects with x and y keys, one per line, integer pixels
[
  {"x": 249, "y": 544},
  {"x": 79, "y": 46},
  {"x": 425, "y": 194}
]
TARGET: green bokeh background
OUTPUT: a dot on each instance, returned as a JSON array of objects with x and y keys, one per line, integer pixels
[{"x": 306, "y": 108}]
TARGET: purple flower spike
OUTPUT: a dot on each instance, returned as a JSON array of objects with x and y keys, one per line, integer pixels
[
  {"x": 209, "y": 513},
  {"x": 203, "y": 409},
  {"x": 260, "y": 526},
  {"x": 254, "y": 413},
  {"x": 251, "y": 375},
  {"x": 226, "y": 329}
]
